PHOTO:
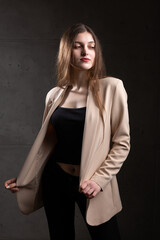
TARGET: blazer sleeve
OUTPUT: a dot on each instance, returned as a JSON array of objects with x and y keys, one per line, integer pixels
[{"x": 120, "y": 138}]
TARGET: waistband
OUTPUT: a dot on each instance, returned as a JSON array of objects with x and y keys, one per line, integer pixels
[{"x": 59, "y": 170}]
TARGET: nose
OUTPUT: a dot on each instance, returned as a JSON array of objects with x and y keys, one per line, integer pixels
[{"x": 84, "y": 51}]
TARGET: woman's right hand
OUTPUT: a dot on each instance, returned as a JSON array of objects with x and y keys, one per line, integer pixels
[{"x": 11, "y": 185}]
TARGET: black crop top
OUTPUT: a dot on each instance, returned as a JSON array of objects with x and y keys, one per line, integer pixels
[{"x": 68, "y": 124}]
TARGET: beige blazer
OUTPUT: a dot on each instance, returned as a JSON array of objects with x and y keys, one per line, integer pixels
[{"x": 104, "y": 149}]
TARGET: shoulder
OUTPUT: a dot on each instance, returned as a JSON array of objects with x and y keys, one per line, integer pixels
[
  {"x": 110, "y": 82},
  {"x": 53, "y": 93},
  {"x": 113, "y": 86}
]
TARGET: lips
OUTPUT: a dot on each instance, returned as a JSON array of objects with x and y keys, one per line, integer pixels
[{"x": 85, "y": 59}]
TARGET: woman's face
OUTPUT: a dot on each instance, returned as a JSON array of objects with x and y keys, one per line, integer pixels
[{"x": 83, "y": 51}]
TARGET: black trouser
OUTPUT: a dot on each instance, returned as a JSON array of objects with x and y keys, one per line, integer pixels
[{"x": 60, "y": 192}]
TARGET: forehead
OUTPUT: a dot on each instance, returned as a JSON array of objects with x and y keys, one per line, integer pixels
[{"x": 84, "y": 37}]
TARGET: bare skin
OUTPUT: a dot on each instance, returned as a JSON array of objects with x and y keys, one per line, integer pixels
[
  {"x": 83, "y": 57},
  {"x": 11, "y": 185}
]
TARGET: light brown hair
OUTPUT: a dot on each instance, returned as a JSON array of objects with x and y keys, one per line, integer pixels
[{"x": 64, "y": 68}]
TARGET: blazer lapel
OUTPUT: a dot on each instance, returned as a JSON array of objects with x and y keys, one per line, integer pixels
[
  {"x": 53, "y": 104},
  {"x": 91, "y": 128}
]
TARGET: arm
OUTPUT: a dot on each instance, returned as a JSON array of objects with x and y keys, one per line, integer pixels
[
  {"x": 120, "y": 139},
  {"x": 120, "y": 145},
  {"x": 11, "y": 183}
]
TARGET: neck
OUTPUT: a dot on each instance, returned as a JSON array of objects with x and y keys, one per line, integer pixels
[{"x": 80, "y": 79}]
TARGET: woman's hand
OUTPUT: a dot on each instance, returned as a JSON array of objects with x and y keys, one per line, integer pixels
[
  {"x": 11, "y": 185},
  {"x": 90, "y": 189}
]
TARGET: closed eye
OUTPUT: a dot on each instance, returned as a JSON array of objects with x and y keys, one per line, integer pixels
[{"x": 77, "y": 47}]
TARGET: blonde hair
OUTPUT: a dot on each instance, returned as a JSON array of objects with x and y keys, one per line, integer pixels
[{"x": 64, "y": 68}]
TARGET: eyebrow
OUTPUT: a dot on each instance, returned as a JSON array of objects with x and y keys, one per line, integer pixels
[{"x": 81, "y": 42}]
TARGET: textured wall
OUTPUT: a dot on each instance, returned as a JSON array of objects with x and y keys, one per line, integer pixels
[{"x": 29, "y": 38}]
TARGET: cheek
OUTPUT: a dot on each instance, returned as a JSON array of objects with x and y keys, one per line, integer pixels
[
  {"x": 74, "y": 57},
  {"x": 93, "y": 57}
]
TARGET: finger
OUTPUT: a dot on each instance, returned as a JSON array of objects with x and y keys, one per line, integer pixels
[
  {"x": 14, "y": 190},
  {"x": 91, "y": 190},
  {"x": 12, "y": 180},
  {"x": 93, "y": 194},
  {"x": 84, "y": 185},
  {"x": 11, "y": 186},
  {"x": 8, "y": 182},
  {"x": 90, "y": 196},
  {"x": 86, "y": 190}
]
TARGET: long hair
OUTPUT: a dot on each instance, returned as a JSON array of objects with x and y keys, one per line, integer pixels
[{"x": 64, "y": 68}]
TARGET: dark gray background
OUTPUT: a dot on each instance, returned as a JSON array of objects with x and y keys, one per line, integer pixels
[{"x": 29, "y": 37}]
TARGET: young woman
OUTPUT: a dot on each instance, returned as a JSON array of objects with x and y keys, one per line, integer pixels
[{"x": 81, "y": 146}]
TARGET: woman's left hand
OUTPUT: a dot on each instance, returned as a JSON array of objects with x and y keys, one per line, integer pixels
[{"x": 89, "y": 188}]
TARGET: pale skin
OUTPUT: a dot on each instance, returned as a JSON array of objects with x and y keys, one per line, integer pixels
[{"x": 83, "y": 58}]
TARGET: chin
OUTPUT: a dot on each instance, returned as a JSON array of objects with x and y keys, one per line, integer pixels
[
  {"x": 81, "y": 67},
  {"x": 84, "y": 67}
]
